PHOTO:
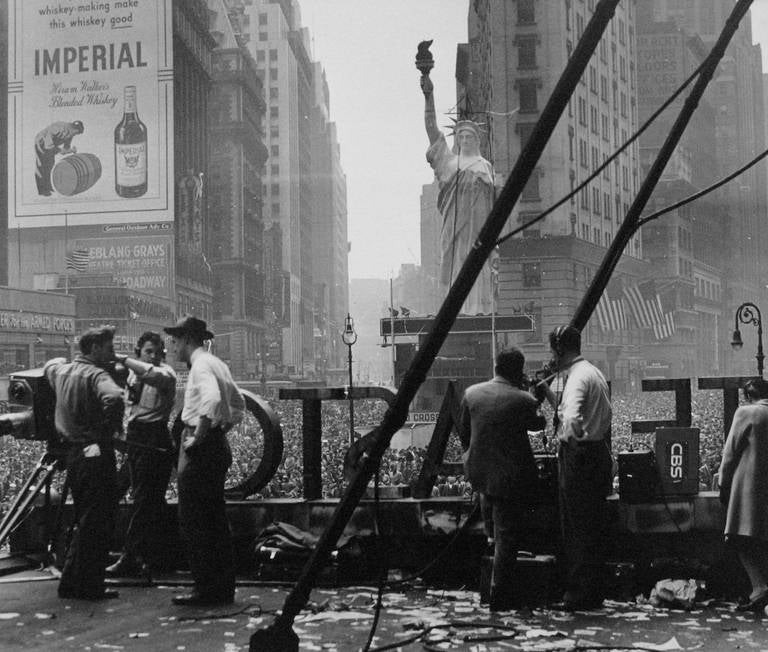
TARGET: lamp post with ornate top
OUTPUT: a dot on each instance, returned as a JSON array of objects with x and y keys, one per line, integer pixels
[
  {"x": 349, "y": 337},
  {"x": 749, "y": 313}
]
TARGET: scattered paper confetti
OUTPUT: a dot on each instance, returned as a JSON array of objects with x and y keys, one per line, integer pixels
[{"x": 671, "y": 644}]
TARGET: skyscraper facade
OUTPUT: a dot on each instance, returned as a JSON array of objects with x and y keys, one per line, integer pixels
[
  {"x": 515, "y": 55},
  {"x": 235, "y": 204},
  {"x": 274, "y": 35}
]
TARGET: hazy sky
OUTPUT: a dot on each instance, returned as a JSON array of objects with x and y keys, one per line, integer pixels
[{"x": 367, "y": 48}]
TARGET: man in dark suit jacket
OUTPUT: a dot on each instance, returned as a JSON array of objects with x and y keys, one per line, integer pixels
[{"x": 495, "y": 418}]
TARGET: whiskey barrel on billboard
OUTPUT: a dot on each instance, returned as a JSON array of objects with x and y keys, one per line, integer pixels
[{"x": 76, "y": 173}]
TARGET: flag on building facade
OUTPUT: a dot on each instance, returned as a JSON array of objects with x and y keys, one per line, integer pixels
[
  {"x": 645, "y": 306},
  {"x": 611, "y": 309},
  {"x": 667, "y": 327},
  {"x": 77, "y": 260}
]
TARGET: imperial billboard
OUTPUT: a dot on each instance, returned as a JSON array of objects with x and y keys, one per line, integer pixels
[{"x": 90, "y": 112}]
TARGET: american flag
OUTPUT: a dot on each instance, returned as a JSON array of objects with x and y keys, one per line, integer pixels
[
  {"x": 646, "y": 308},
  {"x": 77, "y": 260},
  {"x": 667, "y": 327},
  {"x": 611, "y": 311}
]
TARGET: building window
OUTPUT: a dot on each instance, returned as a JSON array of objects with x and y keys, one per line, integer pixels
[
  {"x": 582, "y": 111},
  {"x": 275, "y": 188},
  {"x": 263, "y": 36},
  {"x": 273, "y": 112},
  {"x": 594, "y": 122},
  {"x": 531, "y": 275},
  {"x": 274, "y": 170},
  {"x": 262, "y": 19},
  {"x": 274, "y": 132},
  {"x": 526, "y": 51},
  {"x": 593, "y": 79},
  {"x": 528, "y": 95},
  {"x": 274, "y": 150},
  {"x": 570, "y": 142},
  {"x": 596, "y": 201},
  {"x": 273, "y": 74},
  {"x": 275, "y": 209},
  {"x": 606, "y": 206},
  {"x": 568, "y": 16},
  {"x": 525, "y": 129},
  {"x": 583, "y": 153},
  {"x": 273, "y": 55},
  {"x": 604, "y": 88},
  {"x": 531, "y": 190},
  {"x": 606, "y": 128},
  {"x": 259, "y": 55},
  {"x": 525, "y": 12},
  {"x": 579, "y": 25},
  {"x": 273, "y": 93}
]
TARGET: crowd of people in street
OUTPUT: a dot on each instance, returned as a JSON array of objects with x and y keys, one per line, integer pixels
[{"x": 18, "y": 457}]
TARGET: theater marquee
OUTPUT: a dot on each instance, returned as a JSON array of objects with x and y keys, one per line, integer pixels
[{"x": 90, "y": 112}]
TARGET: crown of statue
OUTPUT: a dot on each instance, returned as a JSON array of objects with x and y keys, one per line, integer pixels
[{"x": 463, "y": 125}]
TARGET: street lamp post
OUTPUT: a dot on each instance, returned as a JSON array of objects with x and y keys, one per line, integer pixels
[
  {"x": 349, "y": 337},
  {"x": 749, "y": 313}
]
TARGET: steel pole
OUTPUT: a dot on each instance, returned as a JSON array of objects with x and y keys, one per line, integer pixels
[{"x": 351, "y": 401}]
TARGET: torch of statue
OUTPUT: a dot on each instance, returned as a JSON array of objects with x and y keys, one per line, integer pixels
[{"x": 424, "y": 60}]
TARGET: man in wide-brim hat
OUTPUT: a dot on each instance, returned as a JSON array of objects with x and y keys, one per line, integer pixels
[{"x": 212, "y": 405}]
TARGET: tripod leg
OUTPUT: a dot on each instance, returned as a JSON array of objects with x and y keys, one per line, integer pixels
[
  {"x": 45, "y": 468},
  {"x": 57, "y": 526}
]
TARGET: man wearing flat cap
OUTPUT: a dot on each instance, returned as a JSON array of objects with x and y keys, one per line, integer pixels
[{"x": 212, "y": 405}]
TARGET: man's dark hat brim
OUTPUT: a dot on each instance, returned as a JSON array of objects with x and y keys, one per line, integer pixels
[{"x": 190, "y": 326}]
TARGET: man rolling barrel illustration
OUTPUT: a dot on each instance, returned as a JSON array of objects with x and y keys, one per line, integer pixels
[{"x": 55, "y": 139}]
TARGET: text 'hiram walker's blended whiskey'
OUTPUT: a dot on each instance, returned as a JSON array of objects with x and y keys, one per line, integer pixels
[{"x": 130, "y": 150}]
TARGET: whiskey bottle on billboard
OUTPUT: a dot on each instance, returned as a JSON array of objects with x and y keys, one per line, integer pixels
[{"x": 130, "y": 150}]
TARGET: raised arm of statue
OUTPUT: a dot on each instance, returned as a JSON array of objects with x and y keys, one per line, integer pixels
[
  {"x": 425, "y": 63},
  {"x": 430, "y": 118}
]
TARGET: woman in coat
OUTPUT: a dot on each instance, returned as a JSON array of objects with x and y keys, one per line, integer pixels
[{"x": 744, "y": 489}]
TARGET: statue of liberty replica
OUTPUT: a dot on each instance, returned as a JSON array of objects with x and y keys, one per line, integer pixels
[{"x": 467, "y": 191}]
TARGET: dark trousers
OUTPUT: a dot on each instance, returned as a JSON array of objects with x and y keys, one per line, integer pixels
[
  {"x": 93, "y": 481},
  {"x": 584, "y": 477},
  {"x": 149, "y": 471},
  {"x": 506, "y": 521},
  {"x": 202, "y": 517}
]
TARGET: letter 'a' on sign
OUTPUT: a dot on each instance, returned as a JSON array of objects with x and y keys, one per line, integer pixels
[{"x": 677, "y": 457}]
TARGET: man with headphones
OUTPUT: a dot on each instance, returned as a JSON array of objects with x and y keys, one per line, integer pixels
[
  {"x": 151, "y": 393},
  {"x": 583, "y": 426}
]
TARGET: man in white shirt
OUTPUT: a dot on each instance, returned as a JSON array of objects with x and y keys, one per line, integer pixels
[
  {"x": 212, "y": 405},
  {"x": 583, "y": 429}
]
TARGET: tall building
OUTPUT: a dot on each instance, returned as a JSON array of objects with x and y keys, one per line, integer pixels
[
  {"x": 297, "y": 102},
  {"x": 238, "y": 155},
  {"x": 123, "y": 225},
  {"x": 514, "y": 58},
  {"x": 192, "y": 51},
  {"x": 736, "y": 95},
  {"x": 689, "y": 269},
  {"x": 329, "y": 231}
]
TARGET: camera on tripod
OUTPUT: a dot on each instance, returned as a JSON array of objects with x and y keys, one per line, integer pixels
[{"x": 31, "y": 402}]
